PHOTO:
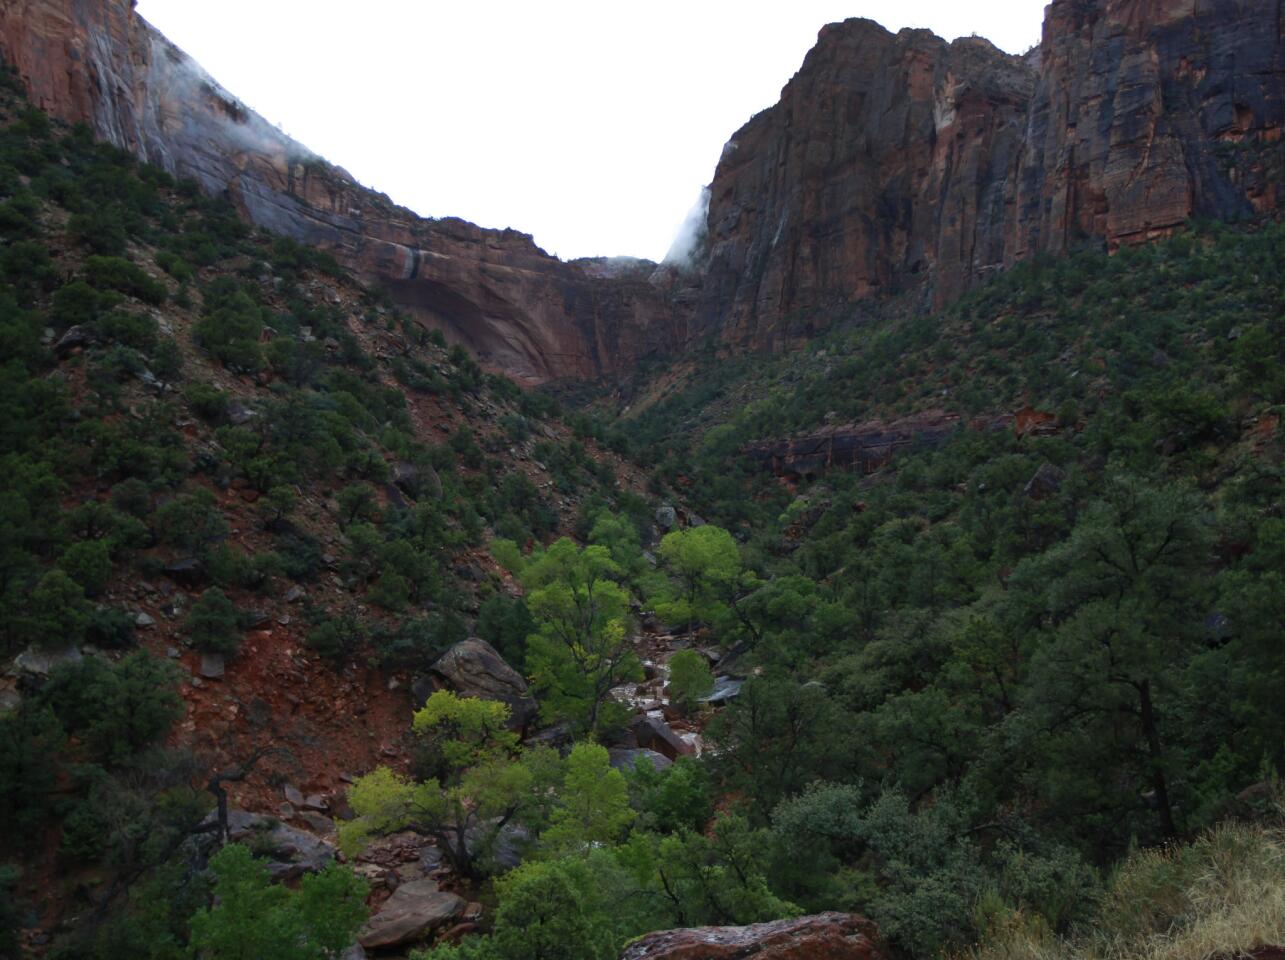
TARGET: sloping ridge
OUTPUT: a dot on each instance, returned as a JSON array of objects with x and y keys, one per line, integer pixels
[
  {"x": 514, "y": 306},
  {"x": 892, "y": 162}
]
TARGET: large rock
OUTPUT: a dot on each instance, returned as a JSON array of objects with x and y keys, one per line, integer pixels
[
  {"x": 824, "y": 936},
  {"x": 896, "y": 161},
  {"x": 627, "y": 758},
  {"x": 474, "y": 668},
  {"x": 410, "y": 915},
  {"x": 289, "y": 852},
  {"x": 37, "y": 663},
  {"x": 653, "y": 733}
]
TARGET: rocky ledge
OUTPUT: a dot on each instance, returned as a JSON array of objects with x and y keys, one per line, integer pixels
[{"x": 823, "y": 936}]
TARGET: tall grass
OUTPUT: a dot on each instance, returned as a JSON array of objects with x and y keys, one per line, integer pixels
[{"x": 1222, "y": 895}]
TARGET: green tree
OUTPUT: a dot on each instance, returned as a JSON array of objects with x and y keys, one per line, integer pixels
[
  {"x": 117, "y": 710},
  {"x": 705, "y": 566},
  {"x": 689, "y": 679},
  {"x": 581, "y": 647},
  {"x": 253, "y": 918},
  {"x": 593, "y": 804},
  {"x": 57, "y": 612},
  {"x": 776, "y": 737},
  {"x": 11, "y": 910},
  {"x": 30, "y": 741},
  {"x": 89, "y": 563},
  {"x": 576, "y": 908},
  {"x": 1128, "y": 593}
]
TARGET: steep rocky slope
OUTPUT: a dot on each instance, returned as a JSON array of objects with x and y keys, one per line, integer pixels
[
  {"x": 890, "y": 161},
  {"x": 516, "y": 308}
]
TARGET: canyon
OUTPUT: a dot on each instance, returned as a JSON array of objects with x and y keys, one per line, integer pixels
[{"x": 893, "y": 163}]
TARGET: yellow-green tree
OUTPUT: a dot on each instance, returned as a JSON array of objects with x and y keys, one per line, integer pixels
[
  {"x": 581, "y": 647},
  {"x": 593, "y": 804},
  {"x": 484, "y": 784}
]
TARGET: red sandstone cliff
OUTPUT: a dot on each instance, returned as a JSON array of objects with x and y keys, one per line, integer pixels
[
  {"x": 514, "y": 306},
  {"x": 891, "y": 162}
]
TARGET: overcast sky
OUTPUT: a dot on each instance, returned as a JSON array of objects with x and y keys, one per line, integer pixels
[{"x": 588, "y": 123}]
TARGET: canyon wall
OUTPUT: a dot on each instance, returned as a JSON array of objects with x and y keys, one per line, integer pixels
[
  {"x": 900, "y": 161},
  {"x": 516, "y": 308},
  {"x": 892, "y": 162}
]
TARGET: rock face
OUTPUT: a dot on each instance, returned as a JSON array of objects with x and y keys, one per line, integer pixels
[
  {"x": 864, "y": 447},
  {"x": 884, "y": 161},
  {"x": 474, "y": 668},
  {"x": 514, "y": 306},
  {"x": 824, "y": 936},
  {"x": 893, "y": 162},
  {"x": 1147, "y": 113}
]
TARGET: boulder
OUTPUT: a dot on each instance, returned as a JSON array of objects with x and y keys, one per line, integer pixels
[
  {"x": 35, "y": 662},
  {"x": 239, "y": 413},
  {"x": 76, "y": 338},
  {"x": 410, "y": 915},
  {"x": 473, "y": 668},
  {"x": 666, "y": 518},
  {"x": 290, "y": 853},
  {"x": 725, "y": 688},
  {"x": 10, "y": 700},
  {"x": 653, "y": 733},
  {"x": 405, "y": 476},
  {"x": 189, "y": 571},
  {"x": 624, "y": 758},
  {"x": 212, "y": 666},
  {"x": 823, "y": 936},
  {"x": 506, "y": 849}
]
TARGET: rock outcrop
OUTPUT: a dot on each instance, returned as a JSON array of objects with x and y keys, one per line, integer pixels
[
  {"x": 474, "y": 668},
  {"x": 893, "y": 162},
  {"x": 863, "y": 447},
  {"x": 823, "y": 936}
]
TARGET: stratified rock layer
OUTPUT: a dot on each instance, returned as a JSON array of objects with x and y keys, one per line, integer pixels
[
  {"x": 515, "y": 307},
  {"x": 898, "y": 160},
  {"x": 824, "y": 936},
  {"x": 892, "y": 162}
]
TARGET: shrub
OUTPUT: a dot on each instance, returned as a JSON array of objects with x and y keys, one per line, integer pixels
[
  {"x": 89, "y": 563},
  {"x": 116, "y": 273},
  {"x": 212, "y": 624},
  {"x": 77, "y": 304},
  {"x": 207, "y": 401}
]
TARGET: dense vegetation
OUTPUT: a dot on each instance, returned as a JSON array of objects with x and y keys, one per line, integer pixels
[
  {"x": 188, "y": 399},
  {"x": 978, "y": 708}
]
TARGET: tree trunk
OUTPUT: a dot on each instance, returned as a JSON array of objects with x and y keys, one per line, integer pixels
[{"x": 1158, "y": 782}]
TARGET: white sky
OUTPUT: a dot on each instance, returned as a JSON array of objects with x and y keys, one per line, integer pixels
[{"x": 591, "y": 124}]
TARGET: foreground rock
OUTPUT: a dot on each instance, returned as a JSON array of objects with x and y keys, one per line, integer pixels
[
  {"x": 823, "y": 936},
  {"x": 474, "y": 668},
  {"x": 410, "y": 915}
]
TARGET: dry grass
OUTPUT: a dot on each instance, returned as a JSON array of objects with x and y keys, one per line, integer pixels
[{"x": 1221, "y": 895}]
